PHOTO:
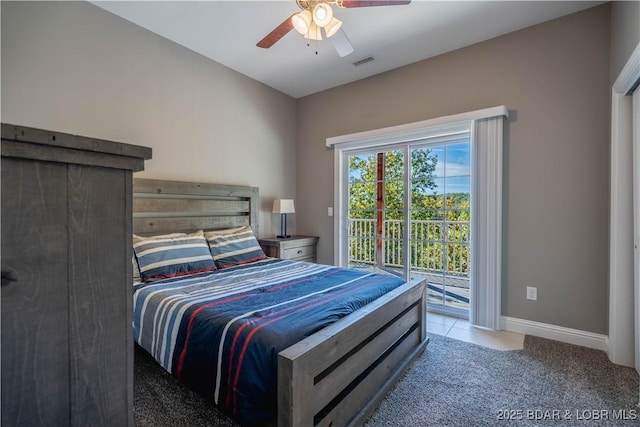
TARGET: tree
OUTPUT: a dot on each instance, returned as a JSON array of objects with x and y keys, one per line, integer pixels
[
  {"x": 427, "y": 204},
  {"x": 363, "y": 179}
]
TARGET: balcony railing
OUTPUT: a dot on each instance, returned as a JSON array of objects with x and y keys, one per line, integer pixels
[
  {"x": 439, "y": 251},
  {"x": 429, "y": 241}
]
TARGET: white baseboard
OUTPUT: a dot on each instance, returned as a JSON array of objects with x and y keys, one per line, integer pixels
[{"x": 553, "y": 332}]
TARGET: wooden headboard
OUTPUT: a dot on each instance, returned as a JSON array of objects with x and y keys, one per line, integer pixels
[{"x": 173, "y": 206}]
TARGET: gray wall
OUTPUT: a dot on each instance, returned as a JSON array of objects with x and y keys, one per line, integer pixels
[
  {"x": 625, "y": 33},
  {"x": 554, "y": 77},
  {"x": 73, "y": 67}
]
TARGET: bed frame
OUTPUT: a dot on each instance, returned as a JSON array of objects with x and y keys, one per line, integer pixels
[{"x": 335, "y": 377}]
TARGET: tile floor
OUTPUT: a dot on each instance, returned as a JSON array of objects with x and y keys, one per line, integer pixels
[{"x": 460, "y": 329}]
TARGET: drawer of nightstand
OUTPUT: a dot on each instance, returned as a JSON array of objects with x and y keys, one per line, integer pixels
[{"x": 298, "y": 252}]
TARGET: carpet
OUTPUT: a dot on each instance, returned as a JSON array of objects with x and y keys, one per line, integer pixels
[{"x": 453, "y": 383}]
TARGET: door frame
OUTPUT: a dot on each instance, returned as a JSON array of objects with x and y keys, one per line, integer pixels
[
  {"x": 624, "y": 294},
  {"x": 486, "y": 126}
]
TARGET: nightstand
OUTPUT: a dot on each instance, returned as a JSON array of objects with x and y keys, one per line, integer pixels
[{"x": 297, "y": 248}]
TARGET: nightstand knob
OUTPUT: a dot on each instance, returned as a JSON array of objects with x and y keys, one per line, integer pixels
[{"x": 300, "y": 251}]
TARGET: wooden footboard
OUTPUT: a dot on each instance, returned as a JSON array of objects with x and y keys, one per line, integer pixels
[{"x": 337, "y": 376}]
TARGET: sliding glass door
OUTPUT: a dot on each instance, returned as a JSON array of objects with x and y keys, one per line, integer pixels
[
  {"x": 440, "y": 226},
  {"x": 413, "y": 218},
  {"x": 375, "y": 211}
]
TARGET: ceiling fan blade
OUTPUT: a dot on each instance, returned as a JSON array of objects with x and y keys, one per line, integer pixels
[
  {"x": 341, "y": 43},
  {"x": 277, "y": 33},
  {"x": 370, "y": 3}
]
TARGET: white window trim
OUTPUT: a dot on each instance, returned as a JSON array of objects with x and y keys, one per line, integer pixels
[
  {"x": 412, "y": 131},
  {"x": 486, "y": 245}
]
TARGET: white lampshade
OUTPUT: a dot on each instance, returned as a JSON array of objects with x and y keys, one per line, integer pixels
[
  {"x": 332, "y": 27},
  {"x": 314, "y": 32},
  {"x": 322, "y": 14},
  {"x": 283, "y": 206},
  {"x": 302, "y": 21}
]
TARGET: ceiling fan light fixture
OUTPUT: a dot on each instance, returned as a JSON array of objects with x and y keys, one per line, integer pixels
[
  {"x": 317, "y": 14},
  {"x": 302, "y": 22},
  {"x": 332, "y": 27},
  {"x": 322, "y": 14},
  {"x": 313, "y": 33}
]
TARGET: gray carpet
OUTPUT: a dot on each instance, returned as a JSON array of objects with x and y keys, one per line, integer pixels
[{"x": 452, "y": 384}]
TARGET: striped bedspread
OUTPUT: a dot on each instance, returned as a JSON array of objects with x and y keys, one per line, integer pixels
[{"x": 220, "y": 332}]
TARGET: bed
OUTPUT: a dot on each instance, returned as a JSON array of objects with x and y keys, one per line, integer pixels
[{"x": 358, "y": 331}]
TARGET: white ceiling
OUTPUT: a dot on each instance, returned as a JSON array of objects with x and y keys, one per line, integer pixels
[{"x": 227, "y": 32}]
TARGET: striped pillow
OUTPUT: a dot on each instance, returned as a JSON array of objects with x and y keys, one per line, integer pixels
[
  {"x": 134, "y": 261},
  {"x": 234, "y": 246},
  {"x": 160, "y": 257}
]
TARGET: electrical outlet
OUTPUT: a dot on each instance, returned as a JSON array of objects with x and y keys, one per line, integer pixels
[{"x": 532, "y": 293}]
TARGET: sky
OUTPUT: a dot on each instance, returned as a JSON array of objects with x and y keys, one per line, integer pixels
[
  {"x": 453, "y": 168},
  {"x": 454, "y": 164}
]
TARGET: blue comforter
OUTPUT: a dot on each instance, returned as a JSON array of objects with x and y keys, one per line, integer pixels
[{"x": 220, "y": 332}]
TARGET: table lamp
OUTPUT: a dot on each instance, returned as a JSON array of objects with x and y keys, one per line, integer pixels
[{"x": 283, "y": 207}]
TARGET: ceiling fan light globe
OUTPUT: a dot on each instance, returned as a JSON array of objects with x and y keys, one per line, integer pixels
[
  {"x": 332, "y": 27},
  {"x": 302, "y": 22},
  {"x": 322, "y": 14}
]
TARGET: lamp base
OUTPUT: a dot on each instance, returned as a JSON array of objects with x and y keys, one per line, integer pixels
[{"x": 283, "y": 227}]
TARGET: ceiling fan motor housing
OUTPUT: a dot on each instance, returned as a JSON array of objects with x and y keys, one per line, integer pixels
[{"x": 310, "y": 4}]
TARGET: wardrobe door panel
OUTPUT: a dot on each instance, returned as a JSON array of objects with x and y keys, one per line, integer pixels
[
  {"x": 34, "y": 306},
  {"x": 99, "y": 296}
]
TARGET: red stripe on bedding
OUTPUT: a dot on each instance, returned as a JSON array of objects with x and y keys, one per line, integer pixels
[
  {"x": 178, "y": 274},
  {"x": 309, "y": 304},
  {"x": 234, "y": 342},
  {"x": 236, "y": 336},
  {"x": 213, "y": 304},
  {"x": 192, "y": 317},
  {"x": 220, "y": 265}
]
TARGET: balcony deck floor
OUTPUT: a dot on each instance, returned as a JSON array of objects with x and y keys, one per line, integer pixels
[{"x": 456, "y": 294}]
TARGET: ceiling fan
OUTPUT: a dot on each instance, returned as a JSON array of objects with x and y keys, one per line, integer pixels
[{"x": 316, "y": 15}]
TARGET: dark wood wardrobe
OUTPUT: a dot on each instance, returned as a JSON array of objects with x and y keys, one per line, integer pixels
[{"x": 67, "y": 346}]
